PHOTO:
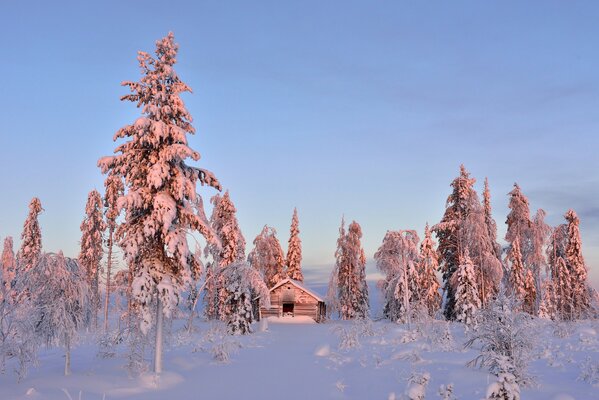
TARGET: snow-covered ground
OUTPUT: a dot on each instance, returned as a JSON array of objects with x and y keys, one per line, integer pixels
[{"x": 335, "y": 360}]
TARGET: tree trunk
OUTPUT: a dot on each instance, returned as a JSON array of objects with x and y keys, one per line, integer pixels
[
  {"x": 158, "y": 344},
  {"x": 108, "y": 267},
  {"x": 67, "y": 357}
]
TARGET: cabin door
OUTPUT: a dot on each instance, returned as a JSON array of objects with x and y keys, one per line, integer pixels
[{"x": 287, "y": 309}]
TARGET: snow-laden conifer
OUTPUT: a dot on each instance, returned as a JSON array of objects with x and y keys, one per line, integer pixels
[
  {"x": 578, "y": 271},
  {"x": 464, "y": 228},
  {"x": 517, "y": 273},
  {"x": 548, "y": 304},
  {"x": 348, "y": 291},
  {"x": 294, "y": 250},
  {"x": 466, "y": 294},
  {"x": 90, "y": 256},
  {"x": 530, "y": 294},
  {"x": 59, "y": 294},
  {"x": 398, "y": 258},
  {"x": 242, "y": 283},
  {"x": 267, "y": 256},
  {"x": 160, "y": 203},
  {"x": 537, "y": 261},
  {"x": 427, "y": 267},
  {"x": 8, "y": 265},
  {"x": 518, "y": 222},
  {"x": 31, "y": 239},
  {"x": 490, "y": 221},
  {"x": 114, "y": 190},
  {"x": 230, "y": 249}
]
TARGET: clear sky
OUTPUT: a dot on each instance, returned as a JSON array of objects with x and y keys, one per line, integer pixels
[{"x": 335, "y": 107}]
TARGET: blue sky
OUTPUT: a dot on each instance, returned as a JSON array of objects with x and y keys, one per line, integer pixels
[{"x": 359, "y": 108}]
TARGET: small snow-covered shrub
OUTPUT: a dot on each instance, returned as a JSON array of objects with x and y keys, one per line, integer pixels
[
  {"x": 221, "y": 351},
  {"x": 440, "y": 336},
  {"x": 505, "y": 388},
  {"x": 446, "y": 392},
  {"x": 417, "y": 385},
  {"x": 108, "y": 342},
  {"x": 348, "y": 337},
  {"x": 562, "y": 329},
  {"x": 589, "y": 371},
  {"x": 507, "y": 339}
]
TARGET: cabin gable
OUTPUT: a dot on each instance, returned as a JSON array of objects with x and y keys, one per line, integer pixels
[{"x": 291, "y": 298}]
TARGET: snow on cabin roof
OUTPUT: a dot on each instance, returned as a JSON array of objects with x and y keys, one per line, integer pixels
[{"x": 298, "y": 285}]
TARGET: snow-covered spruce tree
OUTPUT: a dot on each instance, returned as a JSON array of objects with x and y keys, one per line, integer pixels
[
  {"x": 427, "y": 267},
  {"x": 562, "y": 284},
  {"x": 267, "y": 256},
  {"x": 114, "y": 190},
  {"x": 518, "y": 222},
  {"x": 530, "y": 294},
  {"x": 242, "y": 283},
  {"x": 8, "y": 266},
  {"x": 490, "y": 222},
  {"x": 31, "y": 239},
  {"x": 463, "y": 228},
  {"x": 231, "y": 249},
  {"x": 294, "y": 250},
  {"x": 397, "y": 258},
  {"x": 60, "y": 295},
  {"x": 537, "y": 261},
  {"x": 516, "y": 274},
  {"x": 160, "y": 199},
  {"x": 581, "y": 300},
  {"x": 548, "y": 305},
  {"x": 351, "y": 290},
  {"x": 467, "y": 301},
  {"x": 90, "y": 256}
]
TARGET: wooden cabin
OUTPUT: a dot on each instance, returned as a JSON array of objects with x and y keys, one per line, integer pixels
[{"x": 292, "y": 298}]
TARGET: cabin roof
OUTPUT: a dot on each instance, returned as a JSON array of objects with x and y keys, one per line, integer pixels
[{"x": 298, "y": 285}]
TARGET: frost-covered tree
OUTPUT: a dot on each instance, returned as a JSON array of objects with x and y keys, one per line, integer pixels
[
  {"x": 348, "y": 290},
  {"x": 490, "y": 221},
  {"x": 60, "y": 297},
  {"x": 530, "y": 294},
  {"x": 517, "y": 273},
  {"x": 114, "y": 190},
  {"x": 90, "y": 256},
  {"x": 581, "y": 301},
  {"x": 294, "y": 250},
  {"x": 267, "y": 256},
  {"x": 427, "y": 267},
  {"x": 462, "y": 229},
  {"x": 230, "y": 249},
  {"x": 518, "y": 222},
  {"x": 537, "y": 261},
  {"x": 242, "y": 283},
  {"x": 548, "y": 305},
  {"x": 31, "y": 239},
  {"x": 563, "y": 290},
  {"x": 398, "y": 259},
  {"x": 467, "y": 301},
  {"x": 160, "y": 202},
  {"x": 8, "y": 265}
]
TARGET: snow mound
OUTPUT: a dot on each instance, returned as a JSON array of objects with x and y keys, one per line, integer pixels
[
  {"x": 291, "y": 320},
  {"x": 323, "y": 351}
]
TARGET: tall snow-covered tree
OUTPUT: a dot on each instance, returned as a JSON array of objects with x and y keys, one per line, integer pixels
[
  {"x": 8, "y": 265},
  {"x": 489, "y": 221},
  {"x": 267, "y": 256},
  {"x": 231, "y": 249},
  {"x": 294, "y": 250},
  {"x": 518, "y": 222},
  {"x": 427, "y": 267},
  {"x": 242, "y": 283},
  {"x": 31, "y": 239},
  {"x": 530, "y": 294},
  {"x": 60, "y": 297},
  {"x": 517, "y": 272},
  {"x": 160, "y": 203},
  {"x": 463, "y": 229},
  {"x": 90, "y": 256},
  {"x": 348, "y": 288},
  {"x": 548, "y": 304},
  {"x": 114, "y": 190},
  {"x": 537, "y": 261},
  {"x": 398, "y": 259},
  {"x": 467, "y": 298},
  {"x": 581, "y": 300}
]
